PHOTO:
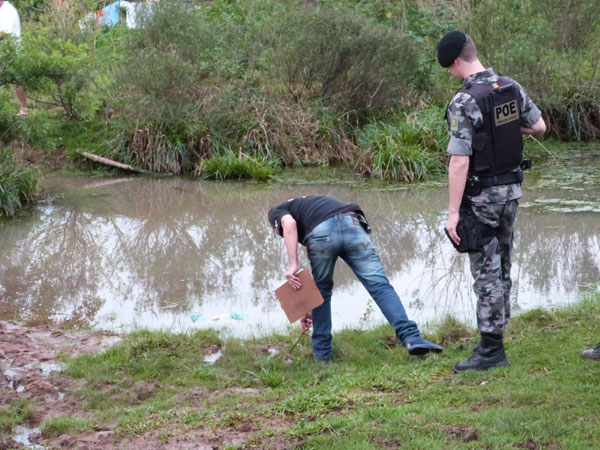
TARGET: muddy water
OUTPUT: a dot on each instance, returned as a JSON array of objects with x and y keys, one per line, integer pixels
[{"x": 177, "y": 254}]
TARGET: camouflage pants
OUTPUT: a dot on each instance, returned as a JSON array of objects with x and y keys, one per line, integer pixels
[{"x": 490, "y": 266}]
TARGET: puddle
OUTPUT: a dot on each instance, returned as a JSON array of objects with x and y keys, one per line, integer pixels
[
  {"x": 213, "y": 358},
  {"x": 47, "y": 367},
  {"x": 109, "y": 341},
  {"x": 10, "y": 375},
  {"x": 21, "y": 435}
]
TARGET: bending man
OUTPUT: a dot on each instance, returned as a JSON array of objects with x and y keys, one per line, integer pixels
[{"x": 330, "y": 229}]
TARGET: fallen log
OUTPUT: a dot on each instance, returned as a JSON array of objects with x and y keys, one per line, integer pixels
[{"x": 110, "y": 162}]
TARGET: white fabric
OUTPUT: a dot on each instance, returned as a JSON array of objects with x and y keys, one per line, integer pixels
[
  {"x": 135, "y": 12},
  {"x": 9, "y": 20}
]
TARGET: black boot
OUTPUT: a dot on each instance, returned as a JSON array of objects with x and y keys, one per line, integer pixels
[
  {"x": 593, "y": 353},
  {"x": 490, "y": 353}
]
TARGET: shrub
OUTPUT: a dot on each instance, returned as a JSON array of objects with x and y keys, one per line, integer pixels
[
  {"x": 188, "y": 98},
  {"x": 60, "y": 70},
  {"x": 343, "y": 60},
  {"x": 552, "y": 58},
  {"x": 165, "y": 87}
]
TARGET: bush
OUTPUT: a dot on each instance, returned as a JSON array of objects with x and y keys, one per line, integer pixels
[
  {"x": 552, "y": 58},
  {"x": 164, "y": 81},
  {"x": 343, "y": 60},
  {"x": 188, "y": 98},
  {"x": 18, "y": 183},
  {"x": 62, "y": 70}
]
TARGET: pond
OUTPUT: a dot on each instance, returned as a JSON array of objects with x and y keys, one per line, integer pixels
[{"x": 178, "y": 254}]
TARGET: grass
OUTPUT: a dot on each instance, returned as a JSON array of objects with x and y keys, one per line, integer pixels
[
  {"x": 407, "y": 148},
  {"x": 57, "y": 426},
  {"x": 373, "y": 395},
  {"x": 230, "y": 166},
  {"x": 18, "y": 412},
  {"x": 18, "y": 183}
]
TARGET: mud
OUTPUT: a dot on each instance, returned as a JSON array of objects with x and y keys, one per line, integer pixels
[
  {"x": 38, "y": 157},
  {"x": 30, "y": 368}
]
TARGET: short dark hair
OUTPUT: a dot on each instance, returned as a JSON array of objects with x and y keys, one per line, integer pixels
[
  {"x": 275, "y": 215},
  {"x": 468, "y": 52}
]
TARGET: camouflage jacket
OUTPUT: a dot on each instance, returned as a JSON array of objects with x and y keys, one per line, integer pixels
[{"x": 464, "y": 116}]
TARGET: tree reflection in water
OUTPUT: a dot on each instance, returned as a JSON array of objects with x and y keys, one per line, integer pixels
[{"x": 150, "y": 247}]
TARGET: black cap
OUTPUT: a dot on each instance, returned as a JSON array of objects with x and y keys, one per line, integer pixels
[{"x": 450, "y": 47}]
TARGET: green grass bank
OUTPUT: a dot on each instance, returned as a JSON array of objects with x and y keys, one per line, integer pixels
[{"x": 372, "y": 396}]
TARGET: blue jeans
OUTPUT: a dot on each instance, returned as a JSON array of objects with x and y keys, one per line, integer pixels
[{"x": 343, "y": 236}]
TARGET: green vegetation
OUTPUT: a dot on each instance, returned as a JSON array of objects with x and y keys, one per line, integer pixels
[
  {"x": 18, "y": 412},
  {"x": 56, "y": 426},
  {"x": 18, "y": 183},
  {"x": 372, "y": 396},
  {"x": 232, "y": 167},
  {"x": 282, "y": 84}
]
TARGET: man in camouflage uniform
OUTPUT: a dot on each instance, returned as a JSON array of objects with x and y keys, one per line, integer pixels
[{"x": 495, "y": 205}]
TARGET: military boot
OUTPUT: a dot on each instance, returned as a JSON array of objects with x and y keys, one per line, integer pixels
[
  {"x": 489, "y": 353},
  {"x": 593, "y": 353}
]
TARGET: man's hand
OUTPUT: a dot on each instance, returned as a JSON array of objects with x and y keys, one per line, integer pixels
[
  {"x": 293, "y": 280},
  {"x": 451, "y": 224},
  {"x": 306, "y": 322}
]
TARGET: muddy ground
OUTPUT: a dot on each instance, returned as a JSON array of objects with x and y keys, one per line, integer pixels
[{"x": 29, "y": 367}]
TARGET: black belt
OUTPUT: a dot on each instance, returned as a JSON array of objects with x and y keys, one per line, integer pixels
[{"x": 505, "y": 178}]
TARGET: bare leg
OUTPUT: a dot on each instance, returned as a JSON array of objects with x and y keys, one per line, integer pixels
[{"x": 23, "y": 99}]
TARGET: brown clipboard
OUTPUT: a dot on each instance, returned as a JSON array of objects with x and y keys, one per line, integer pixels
[{"x": 296, "y": 303}]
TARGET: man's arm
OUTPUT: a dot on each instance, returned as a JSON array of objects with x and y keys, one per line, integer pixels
[
  {"x": 290, "y": 237},
  {"x": 537, "y": 128},
  {"x": 457, "y": 178}
]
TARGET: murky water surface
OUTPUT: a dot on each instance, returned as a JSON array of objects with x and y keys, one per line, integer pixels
[{"x": 176, "y": 254}]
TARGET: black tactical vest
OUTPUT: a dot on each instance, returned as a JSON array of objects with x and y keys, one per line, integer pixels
[{"x": 498, "y": 143}]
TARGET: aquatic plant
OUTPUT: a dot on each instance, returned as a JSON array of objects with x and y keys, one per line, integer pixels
[
  {"x": 407, "y": 148},
  {"x": 230, "y": 166}
]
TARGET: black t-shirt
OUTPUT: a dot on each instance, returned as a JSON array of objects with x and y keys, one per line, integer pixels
[{"x": 308, "y": 212}]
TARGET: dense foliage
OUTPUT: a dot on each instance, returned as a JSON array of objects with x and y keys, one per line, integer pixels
[{"x": 203, "y": 87}]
